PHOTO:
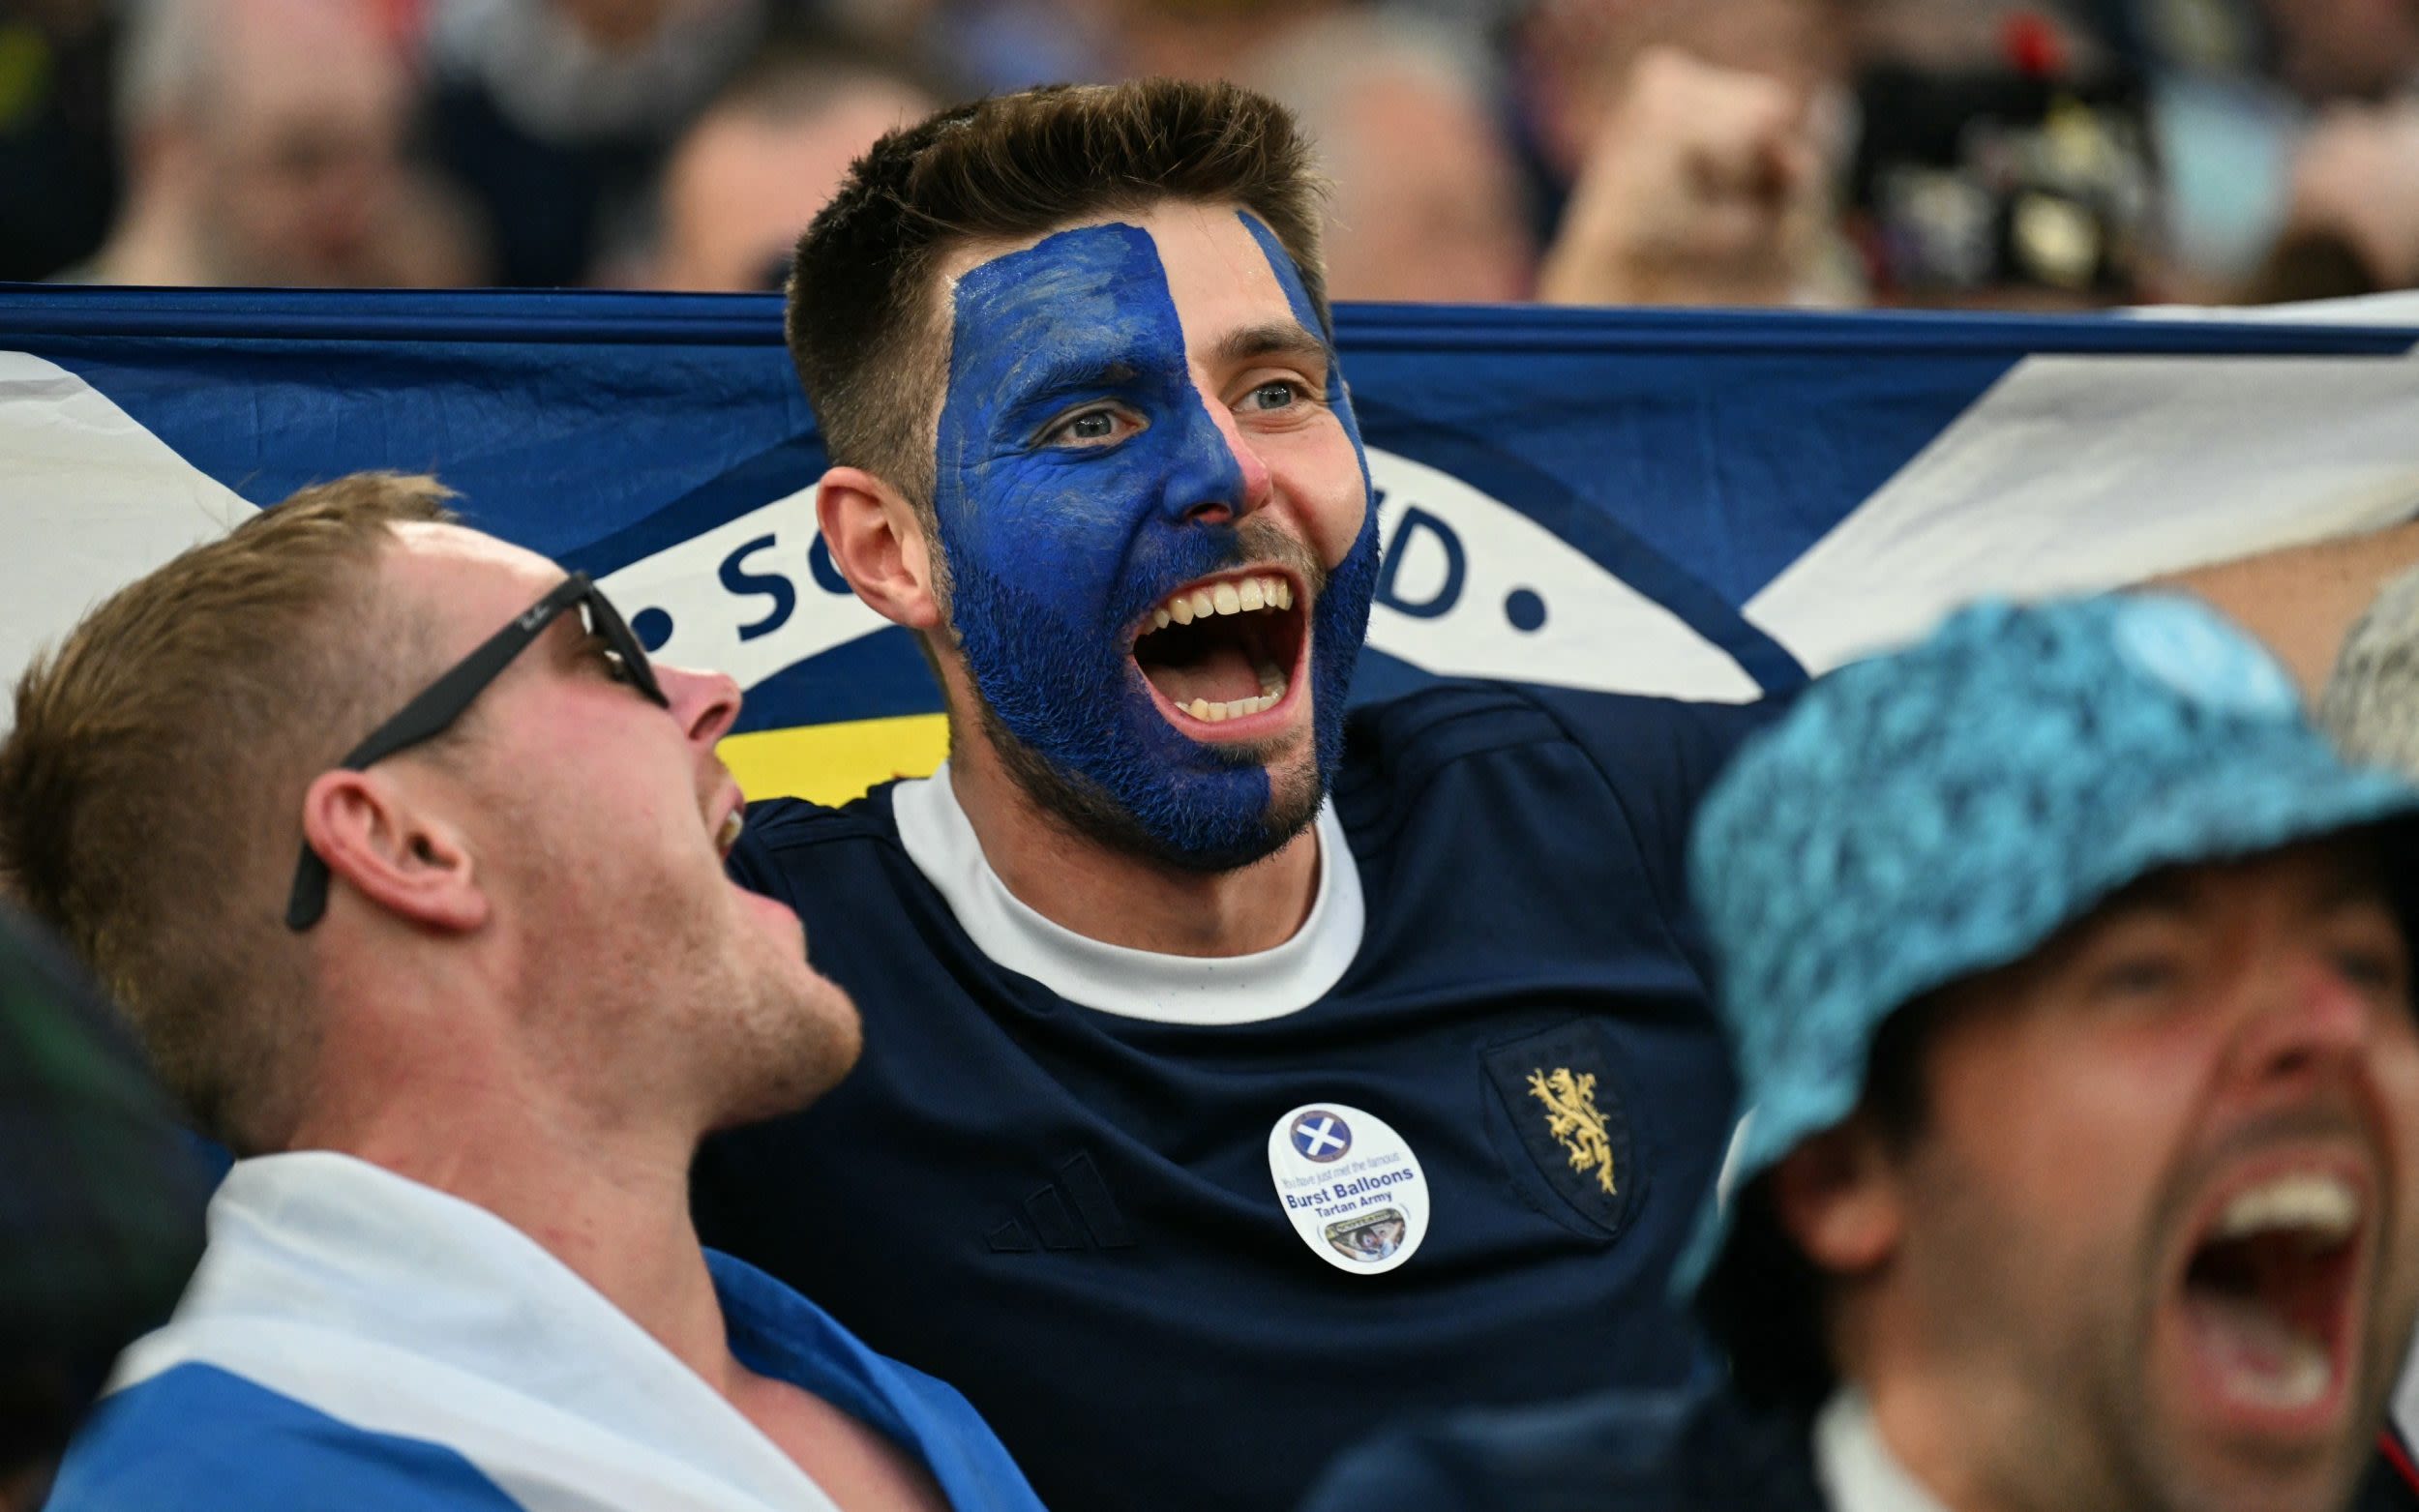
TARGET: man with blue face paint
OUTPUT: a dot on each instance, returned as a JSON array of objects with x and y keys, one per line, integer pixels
[
  {"x": 1088, "y": 496},
  {"x": 1241, "y": 1074}
]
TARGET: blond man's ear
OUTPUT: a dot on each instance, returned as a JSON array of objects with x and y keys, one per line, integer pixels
[{"x": 397, "y": 855}]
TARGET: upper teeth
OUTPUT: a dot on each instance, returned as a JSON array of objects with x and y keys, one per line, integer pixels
[
  {"x": 727, "y": 834},
  {"x": 2324, "y": 1206},
  {"x": 1240, "y": 596}
]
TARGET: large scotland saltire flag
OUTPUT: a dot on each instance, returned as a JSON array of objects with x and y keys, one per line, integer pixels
[{"x": 1698, "y": 504}]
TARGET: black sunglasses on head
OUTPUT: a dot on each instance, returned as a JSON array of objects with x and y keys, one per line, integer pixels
[{"x": 434, "y": 711}]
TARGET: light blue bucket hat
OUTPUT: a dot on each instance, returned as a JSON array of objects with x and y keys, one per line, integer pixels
[{"x": 1929, "y": 815}]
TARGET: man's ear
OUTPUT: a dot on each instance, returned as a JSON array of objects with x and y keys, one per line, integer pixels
[
  {"x": 1841, "y": 1198},
  {"x": 878, "y": 540},
  {"x": 393, "y": 852}
]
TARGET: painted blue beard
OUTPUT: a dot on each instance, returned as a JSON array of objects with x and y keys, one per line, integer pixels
[{"x": 1055, "y": 553}]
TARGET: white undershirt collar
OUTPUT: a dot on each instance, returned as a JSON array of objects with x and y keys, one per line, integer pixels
[
  {"x": 1133, "y": 984},
  {"x": 1857, "y": 1470}
]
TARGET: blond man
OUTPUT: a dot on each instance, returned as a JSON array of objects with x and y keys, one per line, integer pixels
[{"x": 406, "y": 864}]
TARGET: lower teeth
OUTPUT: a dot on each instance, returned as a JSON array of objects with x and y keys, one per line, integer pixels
[
  {"x": 2266, "y": 1361},
  {"x": 2298, "y": 1378},
  {"x": 1211, "y": 713},
  {"x": 2303, "y": 1380}
]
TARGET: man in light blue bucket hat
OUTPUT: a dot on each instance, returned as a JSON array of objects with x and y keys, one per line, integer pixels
[
  {"x": 2069, "y": 984},
  {"x": 2067, "y": 970}
]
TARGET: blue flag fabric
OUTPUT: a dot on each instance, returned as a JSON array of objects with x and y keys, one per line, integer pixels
[{"x": 1701, "y": 504}]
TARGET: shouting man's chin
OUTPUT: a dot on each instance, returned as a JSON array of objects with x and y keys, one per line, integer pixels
[{"x": 1242, "y": 808}]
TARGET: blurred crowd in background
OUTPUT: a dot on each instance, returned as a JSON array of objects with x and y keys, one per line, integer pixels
[{"x": 1822, "y": 152}]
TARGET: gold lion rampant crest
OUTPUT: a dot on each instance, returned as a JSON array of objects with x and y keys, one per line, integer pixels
[{"x": 1570, "y": 1117}]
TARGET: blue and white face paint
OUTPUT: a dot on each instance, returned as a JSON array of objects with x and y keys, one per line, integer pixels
[{"x": 1141, "y": 418}]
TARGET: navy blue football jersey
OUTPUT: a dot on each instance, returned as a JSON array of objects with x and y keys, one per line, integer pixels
[{"x": 1073, "y": 1215}]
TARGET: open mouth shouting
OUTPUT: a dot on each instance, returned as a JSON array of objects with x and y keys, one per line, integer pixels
[
  {"x": 726, "y": 831},
  {"x": 1224, "y": 657},
  {"x": 2270, "y": 1301}
]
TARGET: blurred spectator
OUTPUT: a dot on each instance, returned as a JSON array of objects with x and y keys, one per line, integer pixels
[
  {"x": 1577, "y": 59},
  {"x": 2352, "y": 203},
  {"x": 2331, "y": 49},
  {"x": 2371, "y": 702},
  {"x": 747, "y": 177},
  {"x": 997, "y": 46},
  {"x": 1202, "y": 39},
  {"x": 556, "y": 114},
  {"x": 100, "y": 1210},
  {"x": 58, "y": 169},
  {"x": 1427, "y": 202},
  {"x": 263, "y": 145},
  {"x": 1703, "y": 187},
  {"x": 1698, "y": 146},
  {"x": 2288, "y": 127},
  {"x": 2004, "y": 159}
]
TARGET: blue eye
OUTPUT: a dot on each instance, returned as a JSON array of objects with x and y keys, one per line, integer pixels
[
  {"x": 1086, "y": 428},
  {"x": 1278, "y": 394}
]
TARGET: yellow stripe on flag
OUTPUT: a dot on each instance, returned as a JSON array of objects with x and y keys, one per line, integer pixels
[{"x": 833, "y": 763}]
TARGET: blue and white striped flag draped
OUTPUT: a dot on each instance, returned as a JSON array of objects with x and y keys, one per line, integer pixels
[{"x": 1699, "y": 504}]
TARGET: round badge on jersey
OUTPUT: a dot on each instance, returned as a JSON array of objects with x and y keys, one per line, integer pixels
[{"x": 1350, "y": 1186}]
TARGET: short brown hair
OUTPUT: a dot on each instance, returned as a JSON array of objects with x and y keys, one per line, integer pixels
[
  {"x": 863, "y": 328},
  {"x": 151, "y": 790}
]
